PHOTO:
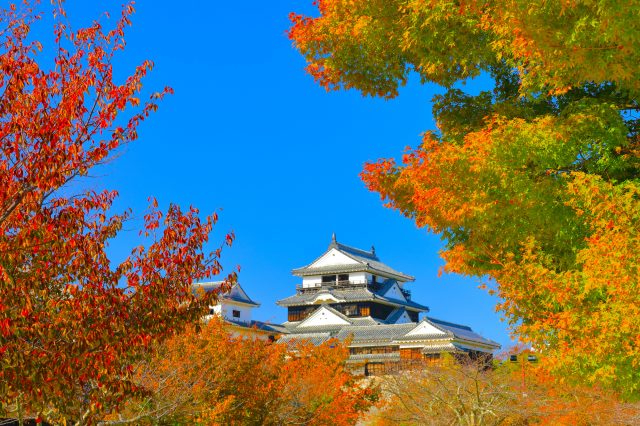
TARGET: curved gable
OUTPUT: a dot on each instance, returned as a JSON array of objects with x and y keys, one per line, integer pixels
[
  {"x": 426, "y": 328},
  {"x": 333, "y": 257},
  {"x": 324, "y": 316}
]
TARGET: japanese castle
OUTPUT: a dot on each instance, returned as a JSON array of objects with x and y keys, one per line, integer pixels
[{"x": 348, "y": 293}]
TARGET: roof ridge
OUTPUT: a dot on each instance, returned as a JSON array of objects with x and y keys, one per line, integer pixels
[
  {"x": 358, "y": 251},
  {"x": 382, "y": 325},
  {"x": 453, "y": 324},
  {"x": 449, "y": 333}
]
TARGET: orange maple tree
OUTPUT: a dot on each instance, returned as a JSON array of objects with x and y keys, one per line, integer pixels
[
  {"x": 71, "y": 324},
  {"x": 209, "y": 376}
]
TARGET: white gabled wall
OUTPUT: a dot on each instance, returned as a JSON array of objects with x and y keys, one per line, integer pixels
[
  {"x": 225, "y": 309},
  {"x": 404, "y": 319},
  {"x": 333, "y": 257},
  {"x": 323, "y": 316},
  {"x": 395, "y": 293},
  {"x": 425, "y": 328}
]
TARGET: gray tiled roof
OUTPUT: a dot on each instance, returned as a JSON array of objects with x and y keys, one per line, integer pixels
[
  {"x": 378, "y": 333},
  {"x": 445, "y": 347},
  {"x": 462, "y": 332},
  {"x": 275, "y": 328},
  {"x": 356, "y": 294},
  {"x": 367, "y": 262},
  {"x": 216, "y": 286},
  {"x": 315, "y": 338},
  {"x": 365, "y": 321},
  {"x": 367, "y": 334}
]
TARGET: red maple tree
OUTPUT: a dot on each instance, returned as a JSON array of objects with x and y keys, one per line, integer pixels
[{"x": 71, "y": 324}]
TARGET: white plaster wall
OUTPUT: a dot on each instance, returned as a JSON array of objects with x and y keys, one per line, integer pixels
[
  {"x": 359, "y": 277},
  {"x": 227, "y": 309},
  {"x": 403, "y": 319},
  {"x": 313, "y": 281}
]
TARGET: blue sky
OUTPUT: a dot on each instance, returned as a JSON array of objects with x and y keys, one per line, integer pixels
[{"x": 248, "y": 132}]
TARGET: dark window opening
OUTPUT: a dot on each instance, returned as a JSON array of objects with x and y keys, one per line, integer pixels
[
  {"x": 236, "y": 313},
  {"x": 328, "y": 278},
  {"x": 380, "y": 311},
  {"x": 343, "y": 277},
  {"x": 299, "y": 313},
  {"x": 431, "y": 358},
  {"x": 350, "y": 310},
  {"x": 374, "y": 369}
]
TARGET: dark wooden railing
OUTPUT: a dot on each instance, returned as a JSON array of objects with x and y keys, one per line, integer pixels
[{"x": 333, "y": 285}]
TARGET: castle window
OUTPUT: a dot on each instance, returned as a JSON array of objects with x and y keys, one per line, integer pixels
[
  {"x": 411, "y": 353},
  {"x": 343, "y": 277},
  {"x": 432, "y": 358},
  {"x": 374, "y": 369},
  {"x": 328, "y": 279},
  {"x": 299, "y": 313},
  {"x": 350, "y": 310},
  {"x": 236, "y": 313}
]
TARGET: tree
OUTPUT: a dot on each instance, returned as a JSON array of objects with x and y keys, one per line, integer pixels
[
  {"x": 460, "y": 391},
  {"x": 71, "y": 324},
  {"x": 208, "y": 376},
  {"x": 464, "y": 391},
  {"x": 523, "y": 181}
]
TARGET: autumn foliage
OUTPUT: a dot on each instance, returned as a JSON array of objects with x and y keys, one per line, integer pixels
[
  {"x": 534, "y": 182},
  {"x": 71, "y": 323},
  {"x": 470, "y": 392},
  {"x": 208, "y": 376}
]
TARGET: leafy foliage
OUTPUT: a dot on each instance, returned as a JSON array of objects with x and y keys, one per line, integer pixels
[
  {"x": 472, "y": 392},
  {"x": 71, "y": 325},
  {"x": 533, "y": 183},
  {"x": 211, "y": 377}
]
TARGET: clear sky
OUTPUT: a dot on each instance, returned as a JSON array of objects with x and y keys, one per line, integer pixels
[{"x": 248, "y": 132}]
